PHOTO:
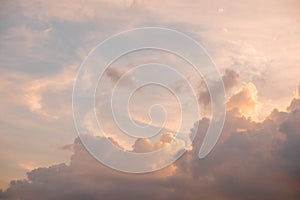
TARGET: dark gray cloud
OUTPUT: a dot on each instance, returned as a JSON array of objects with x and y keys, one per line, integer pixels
[{"x": 252, "y": 160}]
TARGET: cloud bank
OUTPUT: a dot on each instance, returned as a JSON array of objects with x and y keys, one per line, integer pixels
[
  {"x": 252, "y": 160},
  {"x": 42, "y": 43}
]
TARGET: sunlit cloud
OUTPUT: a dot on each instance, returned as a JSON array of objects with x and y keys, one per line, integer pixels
[
  {"x": 250, "y": 148},
  {"x": 246, "y": 102},
  {"x": 254, "y": 44}
]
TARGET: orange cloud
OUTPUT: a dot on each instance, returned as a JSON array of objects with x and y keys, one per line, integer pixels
[{"x": 245, "y": 101}]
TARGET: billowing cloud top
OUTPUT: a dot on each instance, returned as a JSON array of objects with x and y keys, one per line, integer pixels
[
  {"x": 256, "y": 44},
  {"x": 253, "y": 160}
]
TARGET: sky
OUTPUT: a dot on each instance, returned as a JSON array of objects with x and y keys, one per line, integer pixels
[{"x": 255, "y": 46}]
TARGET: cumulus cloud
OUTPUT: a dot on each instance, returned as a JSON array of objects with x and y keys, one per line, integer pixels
[
  {"x": 143, "y": 145},
  {"x": 295, "y": 104},
  {"x": 253, "y": 160},
  {"x": 230, "y": 80},
  {"x": 242, "y": 166},
  {"x": 245, "y": 101}
]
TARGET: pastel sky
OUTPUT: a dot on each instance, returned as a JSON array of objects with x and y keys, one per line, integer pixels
[{"x": 255, "y": 46}]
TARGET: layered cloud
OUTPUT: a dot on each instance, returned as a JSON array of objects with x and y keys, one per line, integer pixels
[
  {"x": 40, "y": 40},
  {"x": 253, "y": 160}
]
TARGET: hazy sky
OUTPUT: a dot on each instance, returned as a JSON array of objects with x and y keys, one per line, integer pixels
[{"x": 255, "y": 46}]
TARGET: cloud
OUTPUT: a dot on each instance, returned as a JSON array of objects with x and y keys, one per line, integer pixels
[
  {"x": 40, "y": 92},
  {"x": 143, "y": 145},
  {"x": 295, "y": 104},
  {"x": 74, "y": 11},
  {"x": 115, "y": 75},
  {"x": 32, "y": 108},
  {"x": 230, "y": 80},
  {"x": 245, "y": 46},
  {"x": 253, "y": 160},
  {"x": 245, "y": 101}
]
